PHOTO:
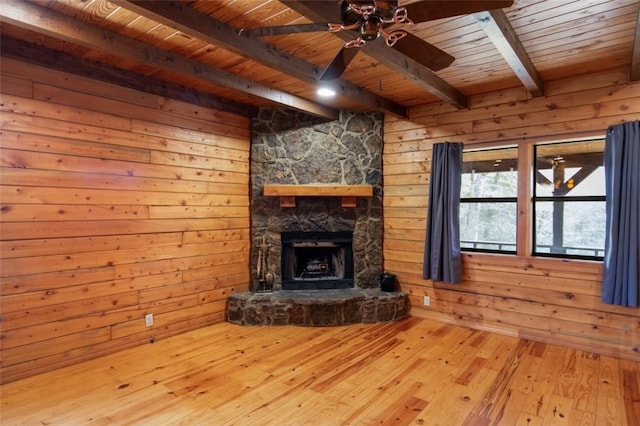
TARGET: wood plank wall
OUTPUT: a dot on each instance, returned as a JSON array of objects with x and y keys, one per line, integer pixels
[
  {"x": 115, "y": 204},
  {"x": 549, "y": 300}
]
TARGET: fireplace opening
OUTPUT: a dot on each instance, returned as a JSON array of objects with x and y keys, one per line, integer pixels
[{"x": 317, "y": 260}]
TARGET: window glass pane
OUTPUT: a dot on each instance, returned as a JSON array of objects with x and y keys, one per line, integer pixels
[
  {"x": 490, "y": 173},
  {"x": 488, "y": 226},
  {"x": 570, "y": 169},
  {"x": 580, "y": 227}
]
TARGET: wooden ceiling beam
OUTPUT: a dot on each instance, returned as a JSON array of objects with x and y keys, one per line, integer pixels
[
  {"x": 204, "y": 27},
  {"x": 35, "y": 18},
  {"x": 317, "y": 11},
  {"x": 635, "y": 56},
  {"x": 499, "y": 30}
]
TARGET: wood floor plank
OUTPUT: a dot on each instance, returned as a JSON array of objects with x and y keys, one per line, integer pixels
[
  {"x": 631, "y": 394},
  {"x": 586, "y": 391},
  {"x": 414, "y": 371}
]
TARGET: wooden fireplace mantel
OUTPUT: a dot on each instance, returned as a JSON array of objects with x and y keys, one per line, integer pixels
[{"x": 288, "y": 193}]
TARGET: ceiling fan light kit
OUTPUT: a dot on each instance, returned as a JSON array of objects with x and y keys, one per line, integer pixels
[{"x": 325, "y": 92}]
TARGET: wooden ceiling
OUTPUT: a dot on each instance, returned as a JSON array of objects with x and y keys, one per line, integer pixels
[{"x": 192, "y": 50}]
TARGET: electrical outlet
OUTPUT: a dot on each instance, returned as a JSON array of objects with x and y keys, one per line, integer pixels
[
  {"x": 148, "y": 320},
  {"x": 426, "y": 301}
]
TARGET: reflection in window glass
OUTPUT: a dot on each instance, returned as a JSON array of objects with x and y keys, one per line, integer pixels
[{"x": 569, "y": 207}]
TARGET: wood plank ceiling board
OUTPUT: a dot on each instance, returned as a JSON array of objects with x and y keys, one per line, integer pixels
[
  {"x": 147, "y": 31},
  {"x": 477, "y": 61},
  {"x": 587, "y": 35},
  {"x": 51, "y": 59},
  {"x": 403, "y": 65},
  {"x": 496, "y": 24},
  {"x": 346, "y": 101},
  {"x": 249, "y": 14},
  {"x": 531, "y": 22},
  {"x": 562, "y": 39},
  {"x": 319, "y": 48},
  {"x": 203, "y": 27},
  {"x": 620, "y": 24},
  {"x": 62, "y": 26}
]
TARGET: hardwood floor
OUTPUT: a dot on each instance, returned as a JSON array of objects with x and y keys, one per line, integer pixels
[{"x": 413, "y": 371}]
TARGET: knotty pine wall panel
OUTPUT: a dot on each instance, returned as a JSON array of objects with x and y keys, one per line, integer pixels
[
  {"x": 115, "y": 204},
  {"x": 549, "y": 300}
]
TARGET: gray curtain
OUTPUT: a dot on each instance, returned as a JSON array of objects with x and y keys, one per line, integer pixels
[
  {"x": 621, "y": 277},
  {"x": 442, "y": 259}
]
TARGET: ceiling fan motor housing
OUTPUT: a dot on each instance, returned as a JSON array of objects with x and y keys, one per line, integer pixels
[
  {"x": 370, "y": 29},
  {"x": 368, "y": 24}
]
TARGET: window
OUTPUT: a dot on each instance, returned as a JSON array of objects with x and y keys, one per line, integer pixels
[
  {"x": 488, "y": 200},
  {"x": 554, "y": 207},
  {"x": 569, "y": 200}
]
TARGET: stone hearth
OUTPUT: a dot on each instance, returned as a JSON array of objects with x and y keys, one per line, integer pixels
[{"x": 317, "y": 307}]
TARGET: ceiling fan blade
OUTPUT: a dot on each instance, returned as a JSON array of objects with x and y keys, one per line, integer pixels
[
  {"x": 339, "y": 64},
  {"x": 386, "y": 4},
  {"x": 422, "y": 52},
  {"x": 429, "y": 10},
  {"x": 284, "y": 29}
]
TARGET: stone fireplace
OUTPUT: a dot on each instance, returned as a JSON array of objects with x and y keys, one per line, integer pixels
[
  {"x": 323, "y": 258},
  {"x": 292, "y": 148}
]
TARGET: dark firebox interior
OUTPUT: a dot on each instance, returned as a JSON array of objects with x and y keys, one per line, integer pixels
[{"x": 317, "y": 260}]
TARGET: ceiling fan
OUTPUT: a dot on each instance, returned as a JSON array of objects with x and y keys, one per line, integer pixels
[{"x": 384, "y": 19}]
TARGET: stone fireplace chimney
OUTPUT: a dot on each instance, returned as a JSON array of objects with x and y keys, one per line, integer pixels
[{"x": 291, "y": 148}]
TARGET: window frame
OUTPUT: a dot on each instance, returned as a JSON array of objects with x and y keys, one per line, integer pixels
[
  {"x": 525, "y": 232},
  {"x": 565, "y": 199},
  {"x": 483, "y": 200}
]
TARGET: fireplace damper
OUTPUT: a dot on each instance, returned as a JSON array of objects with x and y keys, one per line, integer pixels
[{"x": 317, "y": 260}]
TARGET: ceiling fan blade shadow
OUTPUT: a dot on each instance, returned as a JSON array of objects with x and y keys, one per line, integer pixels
[
  {"x": 339, "y": 63},
  {"x": 284, "y": 29},
  {"x": 424, "y": 53},
  {"x": 430, "y": 10}
]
